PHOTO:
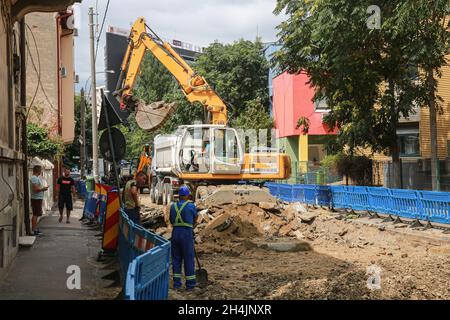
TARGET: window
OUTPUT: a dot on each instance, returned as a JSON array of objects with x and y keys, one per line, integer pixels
[
  {"x": 409, "y": 145},
  {"x": 226, "y": 146},
  {"x": 321, "y": 105}
]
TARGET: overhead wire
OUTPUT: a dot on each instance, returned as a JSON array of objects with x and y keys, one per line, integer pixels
[
  {"x": 37, "y": 70},
  {"x": 101, "y": 30}
]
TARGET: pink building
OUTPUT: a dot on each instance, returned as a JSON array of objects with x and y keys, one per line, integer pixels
[{"x": 293, "y": 99}]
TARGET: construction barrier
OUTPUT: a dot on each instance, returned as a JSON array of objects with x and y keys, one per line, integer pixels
[
  {"x": 81, "y": 189},
  {"x": 111, "y": 221},
  {"x": 310, "y": 194},
  {"x": 429, "y": 206},
  {"x": 90, "y": 205},
  {"x": 144, "y": 261},
  {"x": 102, "y": 195}
]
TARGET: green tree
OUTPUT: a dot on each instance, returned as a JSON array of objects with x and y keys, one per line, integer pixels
[
  {"x": 254, "y": 116},
  {"x": 364, "y": 74},
  {"x": 72, "y": 151},
  {"x": 238, "y": 72},
  {"x": 41, "y": 145},
  {"x": 427, "y": 25}
]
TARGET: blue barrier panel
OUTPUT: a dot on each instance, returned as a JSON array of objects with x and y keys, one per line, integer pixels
[
  {"x": 285, "y": 192},
  {"x": 144, "y": 261},
  {"x": 435, "y": 206},
  {"x": 91, "y": 205},
  {"x": 148, "y": 275},
  {"x": 380, "y": 200},
  {"x": 125, "y": 245},
  {"x": 423, "y": 205},
  {"x": 273, "y": 188},
  {"x": 310, "y": 194},
  {"x": 338, "y": 197},
  {"x": 406, "y": 203},
  {"x": 102, "y": 210},
  {"x": 298, "y": 193},
  {"x": 86, "y": 200},
  {"x": 81, "y": 189},
  {"x": 323, "y": 194},
  {"x": 357, "y": 198}
]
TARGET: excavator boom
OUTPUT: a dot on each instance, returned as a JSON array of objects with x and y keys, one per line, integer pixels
[{"x": 194, "y": 86}]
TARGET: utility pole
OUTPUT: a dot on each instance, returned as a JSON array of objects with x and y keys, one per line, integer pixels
[
  {"x": 23, "y": 104},
  {"x": 94, "y": 98},
  {"x": 83, "y": 134}
]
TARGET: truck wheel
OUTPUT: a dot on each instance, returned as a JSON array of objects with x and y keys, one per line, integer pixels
[
  {"x": 152, "y": 194},
  {"x": 158, "y": 194},
  {"x": 164, "y": 194},
  {"x": 169, "y": 194}
]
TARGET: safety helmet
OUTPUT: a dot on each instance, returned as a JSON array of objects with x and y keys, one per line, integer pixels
[{"x": 184, "y": 191}]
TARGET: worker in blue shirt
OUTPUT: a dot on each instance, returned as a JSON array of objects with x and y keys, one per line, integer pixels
[{"x": 183, "y": 217}]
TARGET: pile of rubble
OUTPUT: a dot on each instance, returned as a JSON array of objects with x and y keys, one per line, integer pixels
[
  {"x": 239, "y": 220},
  {"x": 251, "y": 220}
]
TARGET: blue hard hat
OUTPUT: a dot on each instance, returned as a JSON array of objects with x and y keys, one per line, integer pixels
[{"x": 184, "y": 191}]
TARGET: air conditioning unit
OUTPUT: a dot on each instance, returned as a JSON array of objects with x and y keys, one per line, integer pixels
[{"x": 63, "y": 72}]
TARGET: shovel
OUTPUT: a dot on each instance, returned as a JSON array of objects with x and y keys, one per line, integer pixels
[{"x": 201, "y": 275}]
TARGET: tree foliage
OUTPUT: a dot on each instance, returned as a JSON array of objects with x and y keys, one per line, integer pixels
[
  {"x": 368, "y": 77},
  {"x": 238, "y": 72},
  {"x": 72, "y": 151},
  {"x": 41, "y": 145}
]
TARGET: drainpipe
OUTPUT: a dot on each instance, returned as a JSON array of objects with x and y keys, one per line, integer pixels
[
  {"x": 58, "y": 166},
  {"x": 23, "y": 104}
]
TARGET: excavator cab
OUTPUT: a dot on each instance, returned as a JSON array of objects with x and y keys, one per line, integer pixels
[
  {"x": 226, "y": 151},
  {"x": 210, "y": 149}
]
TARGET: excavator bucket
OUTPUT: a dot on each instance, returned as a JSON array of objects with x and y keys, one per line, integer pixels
[{"x": 150, "y": 117}]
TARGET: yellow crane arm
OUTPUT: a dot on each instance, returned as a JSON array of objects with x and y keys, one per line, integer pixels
[{"x": 194, "y": 86}]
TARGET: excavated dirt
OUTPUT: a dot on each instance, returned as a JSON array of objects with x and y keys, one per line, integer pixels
[{"x": 337, "y": 256}]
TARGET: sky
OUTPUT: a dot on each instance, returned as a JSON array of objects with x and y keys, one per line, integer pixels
[{"x": 196, "y": 22}]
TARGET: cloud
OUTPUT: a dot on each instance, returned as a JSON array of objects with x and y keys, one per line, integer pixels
[{"x": 199, "y": 23}]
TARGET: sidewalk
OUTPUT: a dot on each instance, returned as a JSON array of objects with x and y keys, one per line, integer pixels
[{"x": 39, "y": 272}]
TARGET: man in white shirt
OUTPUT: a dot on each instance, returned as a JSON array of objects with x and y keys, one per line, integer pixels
[{"x": 37, "y": 197}]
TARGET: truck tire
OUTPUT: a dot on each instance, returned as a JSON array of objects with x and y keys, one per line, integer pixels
[
  {"x": 169, "y": 194},
  {"x": 152, "y": 194},
  {"x": 165, "y": 194},
  {"x": 158, "y": 194}
]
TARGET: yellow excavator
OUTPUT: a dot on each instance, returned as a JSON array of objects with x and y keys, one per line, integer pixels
[{"x": 208, "y": 157}]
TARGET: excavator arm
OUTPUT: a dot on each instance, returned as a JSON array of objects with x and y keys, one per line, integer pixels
[{"x": 194, "y": 86}]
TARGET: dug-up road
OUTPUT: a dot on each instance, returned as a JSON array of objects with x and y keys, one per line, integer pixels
[{"x": 334, "y": 256}]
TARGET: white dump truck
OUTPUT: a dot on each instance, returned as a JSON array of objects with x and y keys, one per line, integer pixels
[{"x": 209, "y": 159}]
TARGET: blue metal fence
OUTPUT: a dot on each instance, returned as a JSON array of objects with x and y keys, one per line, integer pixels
[
  {"x": 412, "y": 204},
  {"x": 144, "y": 261}
]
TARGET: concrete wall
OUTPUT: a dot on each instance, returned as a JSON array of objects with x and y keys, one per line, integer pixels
[
  {"x": 44, "y": 47},
  {"x": 45, "y": 106},
  {"x": 11, "y": 187}
]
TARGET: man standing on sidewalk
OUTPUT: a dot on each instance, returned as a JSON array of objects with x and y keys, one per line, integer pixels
[
  {"x": 37, "y": 197},
  {"x": 65, "y": 187},
  {"x": 131, "y": 198}
]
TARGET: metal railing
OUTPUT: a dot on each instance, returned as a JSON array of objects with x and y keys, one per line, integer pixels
[{"x": 305, "y": 172}]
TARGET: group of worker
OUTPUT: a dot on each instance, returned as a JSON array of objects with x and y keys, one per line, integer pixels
[{"x": 183, "y": 217}]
